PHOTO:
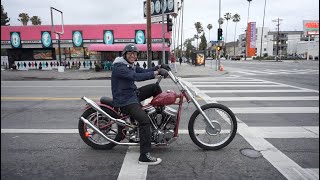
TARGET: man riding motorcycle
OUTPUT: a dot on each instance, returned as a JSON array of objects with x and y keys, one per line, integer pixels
[{"x": 127, "y": 96}]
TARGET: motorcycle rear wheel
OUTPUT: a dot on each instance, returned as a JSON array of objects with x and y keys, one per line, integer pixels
[
  {"x": 207, "y": 138},
  {"x": 109, "y": 128}
]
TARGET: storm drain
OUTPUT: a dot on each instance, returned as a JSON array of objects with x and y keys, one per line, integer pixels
[{"x": 251, "y": 153}]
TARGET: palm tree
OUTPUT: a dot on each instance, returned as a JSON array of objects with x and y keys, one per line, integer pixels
[
  {"x": 209, "y": 27},
  {"x": 227, "y": 17},
  {"x": 24, "y": 18},
  {"x": 236, "y": 19},
  {"x": 196, "y": 36},
  {"x": 35, "y": 20},
  {"x": 199, "y": 29}
]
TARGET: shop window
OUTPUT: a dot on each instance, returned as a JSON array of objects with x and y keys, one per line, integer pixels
[
  {"x": 95, "y": 55},
  {"x": 42, "y": 54},
  {"x": 142, "y": 55},
  {"x": 86, "y": 53},
  {"x": 67, "y": 53},
  {"x": 77, "y": 52},
  {"x": 155, "y": 55}
]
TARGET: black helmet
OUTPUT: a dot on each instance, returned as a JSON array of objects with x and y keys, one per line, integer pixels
[{"x": 130, "y": 48}]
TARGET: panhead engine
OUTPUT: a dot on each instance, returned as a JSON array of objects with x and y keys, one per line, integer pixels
[{"x": 163, "y": 121}]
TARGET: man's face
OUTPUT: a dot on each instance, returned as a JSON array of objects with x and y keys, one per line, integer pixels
[{"x": 132, "y": 57}]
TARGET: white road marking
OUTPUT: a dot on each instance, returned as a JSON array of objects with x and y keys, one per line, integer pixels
[
  {"x": 283, "y": 98},
  {"x": 56, "y": 86},
  {"x": 40, "y": 131},
  {"x": 265, "y": 132},
  {"x": 286, "y": 132},
  {"x": 269, "y": 85},
  {"x": 274, "y": 110},
  {"x": 231, "y": 82},
  {"x": 243, "y": 72},
  {"x": 279, "y": 71},
  {"x": 130, "y": 168},
  {"x": 287, "y": 167},
  {"x": 290, "y": 169},
  {"x": 257, "y": 91}
]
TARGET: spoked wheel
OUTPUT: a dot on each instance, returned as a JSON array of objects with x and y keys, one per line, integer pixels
[
  {"x": 204, "y": 136},
  {"x": 109, "y": 128}
]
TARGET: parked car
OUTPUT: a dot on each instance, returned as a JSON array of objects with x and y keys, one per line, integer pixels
[{"x": 235, "y": 58}]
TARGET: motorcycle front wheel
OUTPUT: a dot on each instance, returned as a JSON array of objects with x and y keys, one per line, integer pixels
[
  {"x": 208, "y": 138},
  {"x": 108, "y": 127}
]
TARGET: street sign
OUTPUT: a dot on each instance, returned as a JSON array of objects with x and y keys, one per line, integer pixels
[{"x": 155, "y": 19}]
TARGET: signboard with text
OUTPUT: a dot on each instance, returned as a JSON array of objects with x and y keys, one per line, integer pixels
[
  {"x": 311, "y": 27},
  {"x": 170, "y": 6}
]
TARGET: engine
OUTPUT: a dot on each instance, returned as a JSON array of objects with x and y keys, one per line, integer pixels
[{"x": 163, "y": 121}]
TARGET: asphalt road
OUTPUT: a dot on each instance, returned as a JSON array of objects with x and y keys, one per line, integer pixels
[{"x": 278, "y": 116}]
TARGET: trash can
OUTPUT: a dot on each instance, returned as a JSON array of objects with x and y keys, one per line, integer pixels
[{"x": 60, "y": 68}]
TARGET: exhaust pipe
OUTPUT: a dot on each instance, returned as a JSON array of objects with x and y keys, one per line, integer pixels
[
  {"x": 103, "y": 135},
  {"x": 97, "y": 108}
]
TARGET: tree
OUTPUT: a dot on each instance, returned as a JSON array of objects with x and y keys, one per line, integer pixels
[
  {"x": 199, "y": 29},
  {"x": 35, "y": 20},
  {"x": 4, "y": 17},
  {"x": 188, "y": 45},
  {"x": 24, "y": 18},
  {"x": 203, "y": 42},
  {"x": 209, "y": 27},
  {"x": 236, "y": 19},
  {"x": 227, "y": 17}
]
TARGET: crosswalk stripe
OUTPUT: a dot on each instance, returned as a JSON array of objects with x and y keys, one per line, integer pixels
[
  {"x": 232, "y": 82},
  {"x": 269, "y": 85},
  {"x": 274, "y": 110},
  {"x": 283, "y": 98},
  {"x": 256, "y": 91}
]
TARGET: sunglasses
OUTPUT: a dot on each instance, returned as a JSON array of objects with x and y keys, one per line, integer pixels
[{"x": 132, "y": 53}]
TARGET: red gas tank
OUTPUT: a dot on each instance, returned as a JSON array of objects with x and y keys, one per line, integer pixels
[{"x": 164, "y": 98}]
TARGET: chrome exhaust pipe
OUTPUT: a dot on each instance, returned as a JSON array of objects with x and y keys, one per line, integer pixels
[
  {"x": 97, "y": 108},
  {"x": 103, "y": 135}
]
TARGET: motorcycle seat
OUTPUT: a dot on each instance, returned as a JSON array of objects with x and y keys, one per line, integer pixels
[{"x": 106, "y": 101}]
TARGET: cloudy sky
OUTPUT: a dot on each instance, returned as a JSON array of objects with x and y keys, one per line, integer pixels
[{"x": 293, "y": 12}]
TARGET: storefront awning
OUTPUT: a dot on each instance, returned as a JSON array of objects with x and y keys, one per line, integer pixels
[{"x": 119, "y": 47}]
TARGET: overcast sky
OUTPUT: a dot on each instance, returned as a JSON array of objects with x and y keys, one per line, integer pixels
[{"x": 293, "y": 12}]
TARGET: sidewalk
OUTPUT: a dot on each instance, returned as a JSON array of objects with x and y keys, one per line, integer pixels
[{"x": 185, "y": 70}]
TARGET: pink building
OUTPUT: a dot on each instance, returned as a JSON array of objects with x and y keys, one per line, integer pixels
[{"x": 82, "y": 46}]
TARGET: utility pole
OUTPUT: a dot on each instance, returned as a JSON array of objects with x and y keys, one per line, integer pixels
[
  {"x": 264, "y": 13},
  {"x": 182, "y": 5},
  {"x": 178, "y": 36},
  {"x": 163, "y": 53},
  {"x": 278, "y": 35},
  {"x": 218, "y": 64},
  {"x": 149, "y": 50}
]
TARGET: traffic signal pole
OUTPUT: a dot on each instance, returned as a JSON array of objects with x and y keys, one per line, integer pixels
[
  {"x": 218, "y": 64},
  {"x": 163, "y": 52},
  {"x": 149, "y": 50}
]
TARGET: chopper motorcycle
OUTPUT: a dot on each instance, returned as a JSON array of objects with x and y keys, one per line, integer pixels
[{"x": 211, "y": 126}]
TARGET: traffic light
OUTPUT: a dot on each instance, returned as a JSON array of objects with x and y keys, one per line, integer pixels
[
  {"x": 169, "y": 23},
  {"x": 218, "y": 48},
  {"x": 219, "y": 34}
]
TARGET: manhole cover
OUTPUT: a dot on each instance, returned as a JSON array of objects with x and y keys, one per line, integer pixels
[{"x": 251, "y": 153}]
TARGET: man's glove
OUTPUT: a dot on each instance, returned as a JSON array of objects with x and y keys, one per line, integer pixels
[
  {"x": 163, "y": 72},
  {"x": 166, "y": 67}
]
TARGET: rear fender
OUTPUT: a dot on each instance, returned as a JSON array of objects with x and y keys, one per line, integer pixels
[{"x": 87, "y": 106}]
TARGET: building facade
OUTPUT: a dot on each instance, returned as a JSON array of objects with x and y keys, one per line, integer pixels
[{"x": 81, "y": 46}]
